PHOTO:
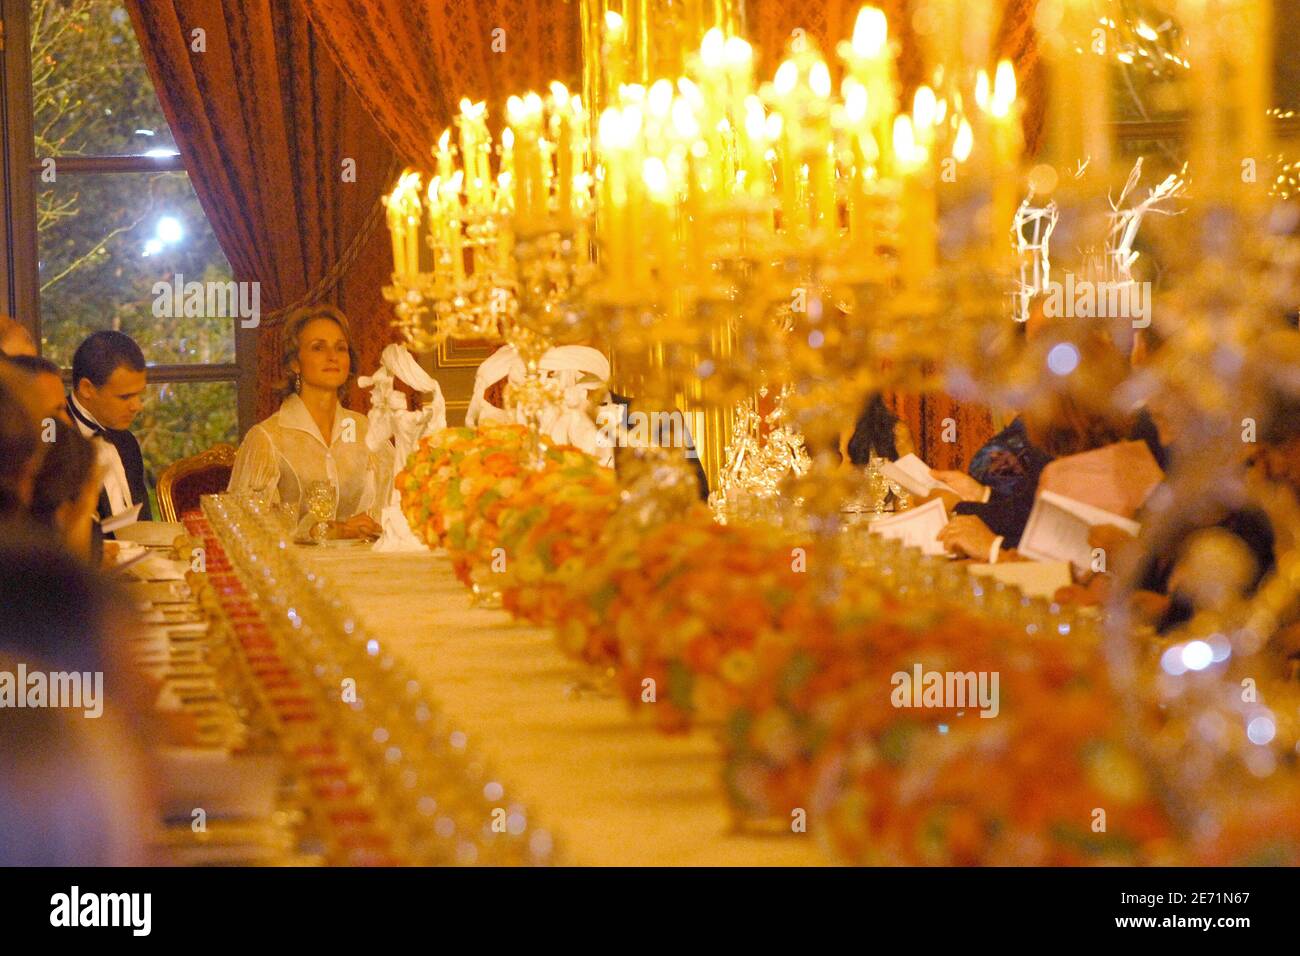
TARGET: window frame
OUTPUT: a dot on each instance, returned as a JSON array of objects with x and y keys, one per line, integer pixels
[{"x": 19, "y": 255}]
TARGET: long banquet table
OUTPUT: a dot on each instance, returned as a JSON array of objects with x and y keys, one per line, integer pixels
[{"x": 612, "y": 789}]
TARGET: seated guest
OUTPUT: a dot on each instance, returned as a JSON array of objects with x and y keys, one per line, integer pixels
[
  {"x": 72, "y": 790},
  {"x": 14, "y": 338},
  {"x": 313, "y": 438},
  {"x": 21, "y": 448},
  {"x": 998, "y": 495},
  {"x": 66, "y": 490},
  {"x": 617, "y": 416},
  {"x": 108, "y": 382},
  {"x": 878, "y": 433},
  {"x": 47, "y": 386},
  {"x": 992, "y": 503},
  {"x": 1220, "y": 552}
]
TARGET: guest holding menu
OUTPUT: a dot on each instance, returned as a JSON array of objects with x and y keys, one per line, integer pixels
[
  {"x": 313, "y": 442},
  {"x": 108, "y": 381}
]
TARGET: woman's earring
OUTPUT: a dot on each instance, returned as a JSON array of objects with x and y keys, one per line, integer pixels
[{"x": 297, "y": 382}]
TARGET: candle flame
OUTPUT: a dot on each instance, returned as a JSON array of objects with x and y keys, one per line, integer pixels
[
  {"x": 755, "y": 119},
  {"x": 870, "y": 32},
  {"x": 738, "y": 53},
  {"x": 660, "y": 98},
  {"x": 855, "y": 100},
  {"x": 787, "y": 75},
  {"x": 691, "y": 92},
  {"x": 905, "y": 146},
  {"x": 1004, "y": 89},
  {"x": 711, "y": 49},
  {"x": 655, "y": 175},
  {"x": 924, "y": 107},
  {"x": 684, "y": 121},
  {"x": 819, "y": 79},
  {"x": 982, "y": 90},
  {"x": 963, "y": 142}
]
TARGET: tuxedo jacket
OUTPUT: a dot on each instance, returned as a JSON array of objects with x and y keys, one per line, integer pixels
[
  {"x": 688, "y": 452},
  {"x": 132, "y": 462}
]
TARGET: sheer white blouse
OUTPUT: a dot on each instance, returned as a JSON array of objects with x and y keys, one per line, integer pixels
[{"x": 284, "y": 454}]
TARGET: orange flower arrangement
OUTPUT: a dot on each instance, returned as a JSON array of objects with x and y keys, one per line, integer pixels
[
  {"x": 485, "y": 478},
  {"x": 700, "y": 603},
  {"x": 547, "y": 532},
  {"x": 941, "y": 784},
  {"x": 423, "y": 482}
]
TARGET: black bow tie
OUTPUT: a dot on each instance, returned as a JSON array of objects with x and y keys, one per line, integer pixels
[{"x": 94, "y": 427}]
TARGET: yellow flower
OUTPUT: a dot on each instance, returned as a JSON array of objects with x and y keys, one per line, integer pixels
[
  {"x": 1115, "y": 773},
  {"x": 738, "y": 668}
]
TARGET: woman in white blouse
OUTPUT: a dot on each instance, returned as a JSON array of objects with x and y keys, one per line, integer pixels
[{"x": 313, "y": 438}]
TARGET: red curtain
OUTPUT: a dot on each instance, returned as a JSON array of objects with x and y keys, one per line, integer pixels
[
  {"x": 266, "y": 125},
  {"x": 411, "y": 61}
]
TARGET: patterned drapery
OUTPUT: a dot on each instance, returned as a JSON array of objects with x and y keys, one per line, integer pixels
[
  {"x": 266, "y": 126},
  {"x": 411, "y": 61}
]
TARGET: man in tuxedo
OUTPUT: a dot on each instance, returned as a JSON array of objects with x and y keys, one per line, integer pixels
[
  {"x": 47, "y": 386},
  {"x": 622, "y": 406},
  {"x": 108, "y": 381}
]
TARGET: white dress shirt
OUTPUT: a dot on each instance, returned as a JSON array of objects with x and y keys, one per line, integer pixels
[
  {"x": 285, "y": 453},
  {"x": 115, "y": 481}
]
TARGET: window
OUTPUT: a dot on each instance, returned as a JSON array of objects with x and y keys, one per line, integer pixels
[{"x": 98, "y": 210}]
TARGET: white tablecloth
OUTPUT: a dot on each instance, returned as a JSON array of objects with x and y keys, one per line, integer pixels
[{"x": 612, "y": 789}]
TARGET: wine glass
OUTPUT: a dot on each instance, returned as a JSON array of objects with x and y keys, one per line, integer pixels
[
  {"x": 321, "y": 502},
  {"x": 877, "y": 486}
]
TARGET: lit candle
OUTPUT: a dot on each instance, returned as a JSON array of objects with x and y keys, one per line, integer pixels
[
  {"x": 918, "y": 236},
  {"x": 1007, "y": 144},
  {"x": 444, "y": 155},
  {"x": 758, "y": 175},
  {"x": 395, "y": 228},
  {"x": 437, "y": 226},
  {"x": 451, "y": 197},
  {"x": 821, "y": 162},
  {"x": 870, "y": 62},
  {"x": 562, "y": 130},
  {"x": 792, "y": 218},
  {"x": 613, "y": 206},
  {"x": 855, "y": 118},
  {"x": 654, "y": 175},
  {"x": 616, "y": 53}
]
